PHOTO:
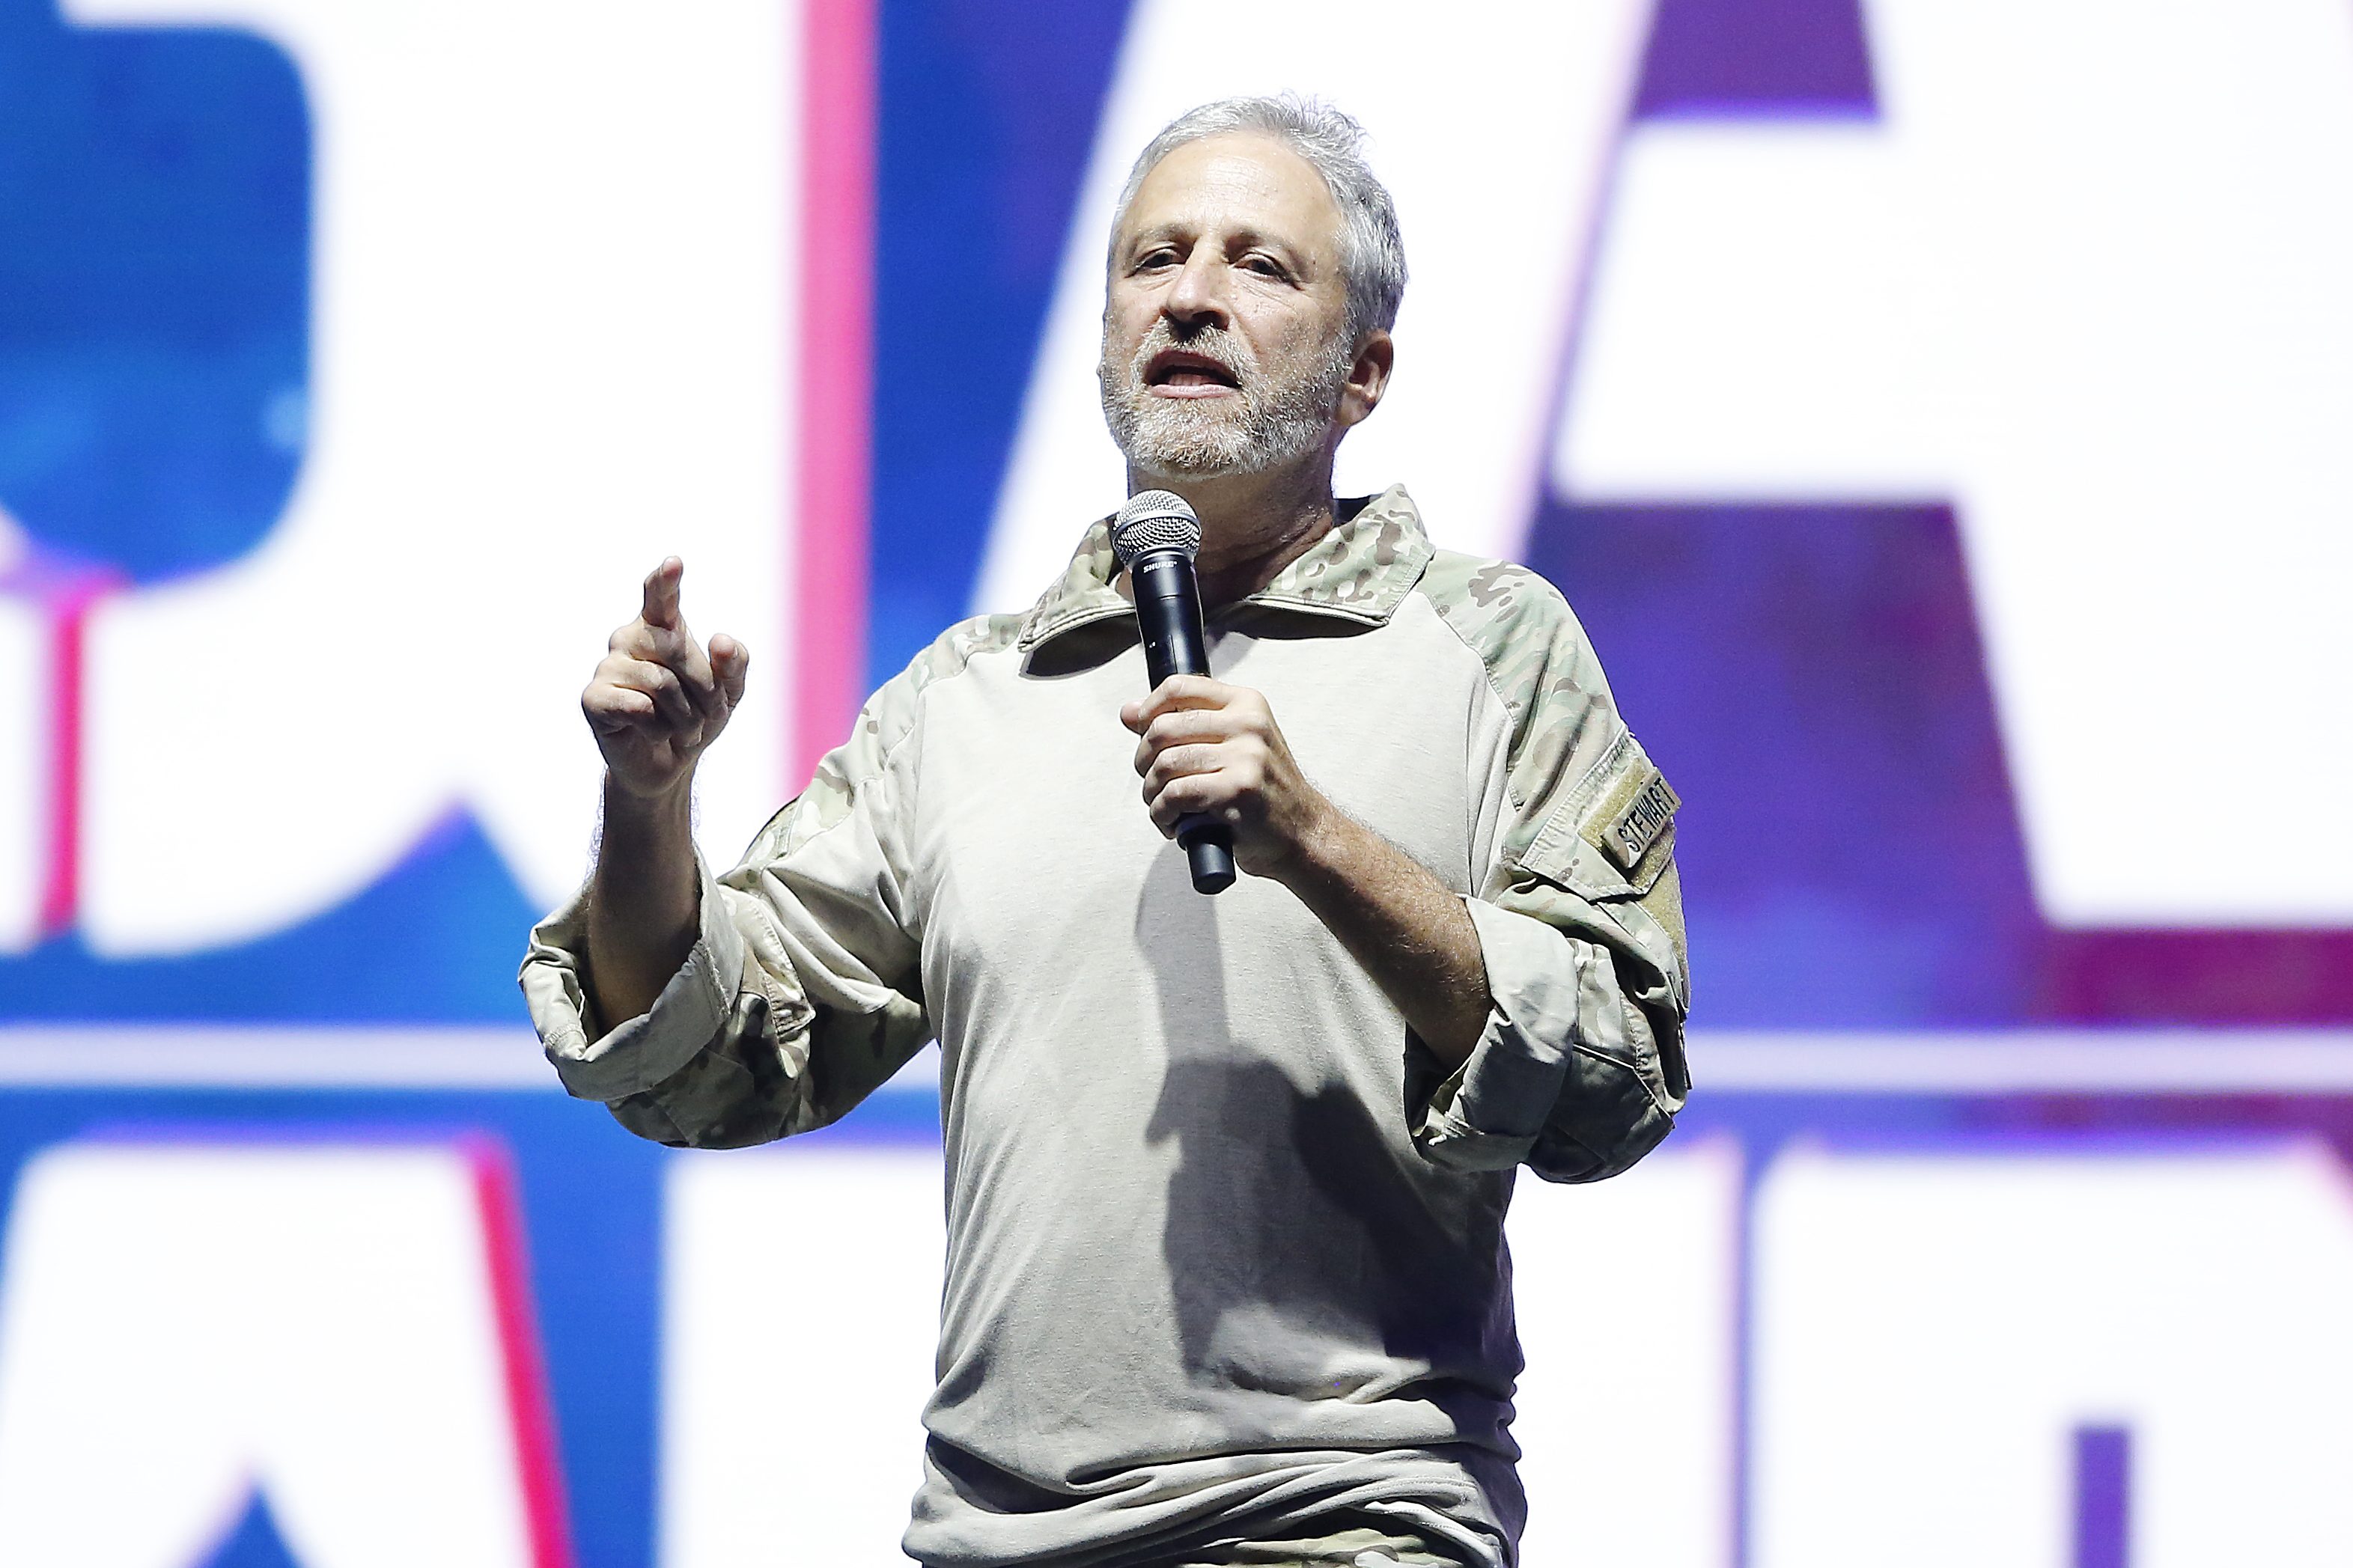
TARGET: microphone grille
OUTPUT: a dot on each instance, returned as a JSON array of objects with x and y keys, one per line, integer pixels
[{"x": 1155, "y": 519}]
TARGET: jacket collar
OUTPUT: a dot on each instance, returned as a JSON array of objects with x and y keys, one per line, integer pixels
[{"x": 1361, "y": 570}]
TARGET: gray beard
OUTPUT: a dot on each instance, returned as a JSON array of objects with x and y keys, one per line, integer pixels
[{"x": 1270, "y": 424}]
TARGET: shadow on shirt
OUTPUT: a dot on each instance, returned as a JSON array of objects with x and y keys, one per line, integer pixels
[{"x": 1311, "y": 1252}]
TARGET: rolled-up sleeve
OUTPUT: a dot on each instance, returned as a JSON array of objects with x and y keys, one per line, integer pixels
[
  {"x": 800, "y": 995},
  {"x": 644, "y": 1051},
  {"x": 1580, "y": 1068}
]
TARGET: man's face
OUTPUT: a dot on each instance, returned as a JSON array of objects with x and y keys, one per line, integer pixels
[{"x": 1224, "y": 333}]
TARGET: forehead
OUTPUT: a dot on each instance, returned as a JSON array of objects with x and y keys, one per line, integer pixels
[{"x": 1238, "y": 181}]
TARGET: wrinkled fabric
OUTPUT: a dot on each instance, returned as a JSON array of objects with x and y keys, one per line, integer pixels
[
  {"x": 1380, "y": 1543},
  {"x": 1225, "y": 1241}
]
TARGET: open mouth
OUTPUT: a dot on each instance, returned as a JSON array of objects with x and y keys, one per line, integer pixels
[{"x": 1184, "y": 372}]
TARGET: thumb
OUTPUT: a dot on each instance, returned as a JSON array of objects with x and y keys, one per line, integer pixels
[{"x": 661, "y": 593}]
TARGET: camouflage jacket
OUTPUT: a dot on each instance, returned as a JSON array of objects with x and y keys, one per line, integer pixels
[
  {"x": 1224, "y": 1240},
  {"x": 1579, "y": 1074}
]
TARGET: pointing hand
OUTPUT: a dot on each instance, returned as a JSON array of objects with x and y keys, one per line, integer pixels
[{"x": 658, "y": 698}]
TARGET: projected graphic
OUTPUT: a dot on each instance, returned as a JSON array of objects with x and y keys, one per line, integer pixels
[
  {"x": 2039, "y": 284},
  {"x": 346, "y": 1329},
  {"x": 2041, "y": 471},
  {"x": 1934, "y": 413},
  {"x": 547, "y": 344}
]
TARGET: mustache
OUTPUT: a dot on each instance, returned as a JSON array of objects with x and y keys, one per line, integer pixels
[{"x": 1210, "y": 343}]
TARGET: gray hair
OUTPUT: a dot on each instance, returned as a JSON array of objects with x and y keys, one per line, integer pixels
[{"x": 1372, "y": 255}]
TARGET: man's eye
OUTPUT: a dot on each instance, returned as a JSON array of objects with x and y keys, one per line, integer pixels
[
  {"x": 1265, "y": 266},
  {"x": 1152, "y": 258}
]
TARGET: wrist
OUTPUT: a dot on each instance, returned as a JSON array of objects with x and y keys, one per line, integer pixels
[
  {"x": 1318, "y": 851},
  {"x": 663, "y": 803},
  {"x": 646, "y": 846},
  {"x": 644, "y": 899}
]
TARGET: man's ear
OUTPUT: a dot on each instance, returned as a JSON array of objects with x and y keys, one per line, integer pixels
[{"x": 1368, "y": 377}]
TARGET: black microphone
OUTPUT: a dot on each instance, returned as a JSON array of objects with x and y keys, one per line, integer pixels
[{"x": 1155, "y": 537}]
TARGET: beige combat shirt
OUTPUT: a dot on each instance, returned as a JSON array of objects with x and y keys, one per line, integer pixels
[{"x": 1224, "y": 1247}]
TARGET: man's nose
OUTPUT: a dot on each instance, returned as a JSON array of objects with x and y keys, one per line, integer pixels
[{"x": 1196, "y": 297}]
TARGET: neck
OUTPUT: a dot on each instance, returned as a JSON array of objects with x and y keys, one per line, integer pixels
[{"x": 1252, "y": 525}]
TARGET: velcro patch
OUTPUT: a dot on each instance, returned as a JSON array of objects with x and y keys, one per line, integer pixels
[{"x": 1631, "y": 820}]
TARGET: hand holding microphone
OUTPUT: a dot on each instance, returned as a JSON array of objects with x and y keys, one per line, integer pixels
[{"x": 1218, "y": 776}]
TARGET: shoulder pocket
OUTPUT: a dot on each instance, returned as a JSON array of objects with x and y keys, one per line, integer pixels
[{"x": 1613, "y": 835}]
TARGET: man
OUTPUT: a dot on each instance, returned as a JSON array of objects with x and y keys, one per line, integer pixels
[{"x": 1225, "y": 1278}]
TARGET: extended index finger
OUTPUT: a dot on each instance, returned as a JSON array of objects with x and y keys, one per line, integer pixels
[{"x": 661, "y": 593}]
